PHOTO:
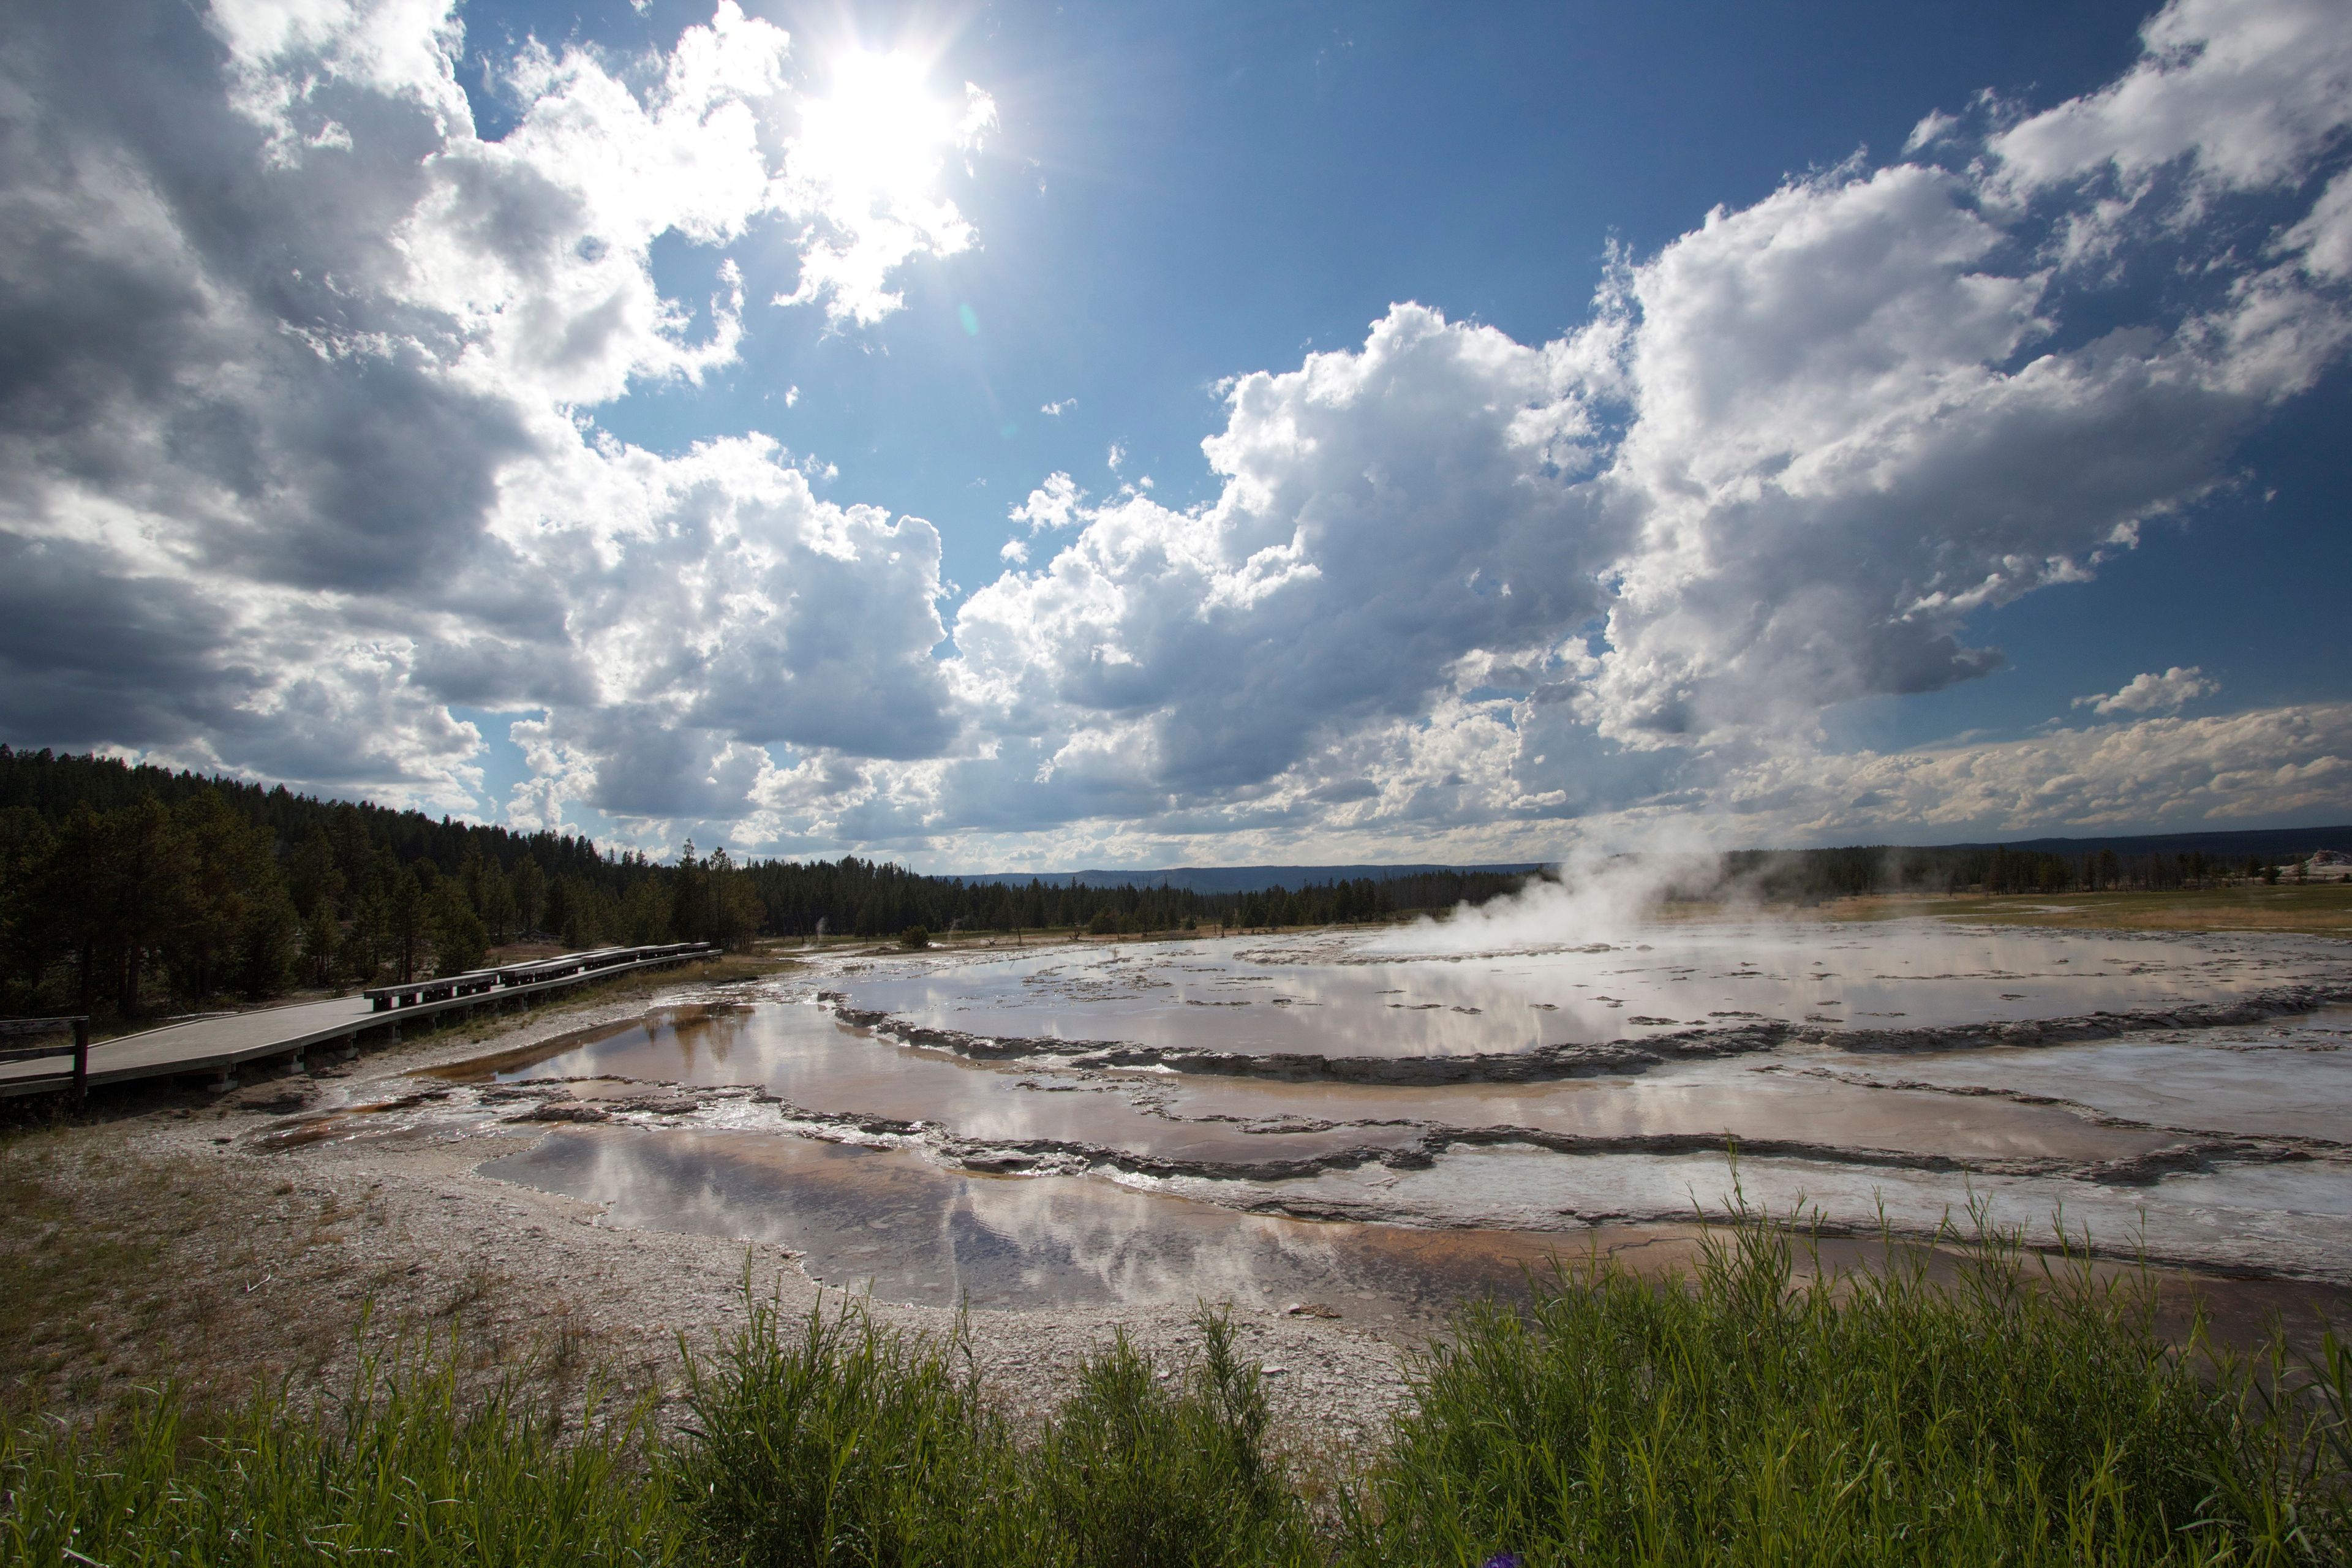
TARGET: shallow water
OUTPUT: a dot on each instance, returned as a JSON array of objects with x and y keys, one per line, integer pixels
[
  {"x": 1334, "y": 996},
  {"x": 1746, "y": 1100},
  {"x": 2220, "y": 1147},
  {"x": 2293, "y": 1219},
  {"x": 815, "y": 1063},
  {"x": 2289, "y": 1080},
  {"x": 889, "y": 1222},
  {"x": 799, "y": 1052}
]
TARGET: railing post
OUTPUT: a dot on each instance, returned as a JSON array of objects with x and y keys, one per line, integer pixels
[{"x": 81, "y": 1060}]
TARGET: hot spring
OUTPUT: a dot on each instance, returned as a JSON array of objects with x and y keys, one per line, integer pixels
[{"x": 1341, "y": 1124}]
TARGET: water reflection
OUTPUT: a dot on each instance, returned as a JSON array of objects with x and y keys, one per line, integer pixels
[
  {"x": 1742, "y": 1099},
  {"x": 2120, "y": 1134},
  {"x": 802, "y": 1054},
  {"x": 1327, "y": 996},
  {"x": 2294, "y": 1081},
  {"x": 888, "y": 1221},
  {"x": 2289, "y": 1218}
]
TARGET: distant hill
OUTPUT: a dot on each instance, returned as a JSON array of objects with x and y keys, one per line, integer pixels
[
  {"x": 1234, "y": 879},
  {"x": 2262, "y": 842},
  {"x": 2150, "y": 862}
]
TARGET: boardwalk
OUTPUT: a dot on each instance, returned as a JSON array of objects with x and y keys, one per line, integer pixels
[{"x": 218, "y": 1045}]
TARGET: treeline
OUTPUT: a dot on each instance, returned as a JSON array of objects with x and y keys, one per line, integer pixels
[
  {"x": 1804, "y": 876},
  {"x": 123, "y": 887},
  {"x": 866, "y": 898}
]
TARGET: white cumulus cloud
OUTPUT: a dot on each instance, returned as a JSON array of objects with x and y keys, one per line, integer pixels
[
  {"x": 300, "y": 416},
  {"x": 2221, "y": 770},
  {"x": 2248, "y": 91},
  {"x": 2151, "y": 693},
  {"x": 862, "y": 177}
]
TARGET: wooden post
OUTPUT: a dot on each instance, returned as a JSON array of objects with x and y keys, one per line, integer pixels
[{"x": 81, "y": 1059}]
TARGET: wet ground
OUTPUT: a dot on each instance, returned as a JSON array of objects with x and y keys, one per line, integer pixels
[
  {"x": 1342, "y": 996},
  {"x": 907, "y": 1228},
  {"x": 905, "y": 1155}
]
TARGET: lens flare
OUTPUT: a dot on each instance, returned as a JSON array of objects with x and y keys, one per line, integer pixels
[{"x": 881, "y": 134}]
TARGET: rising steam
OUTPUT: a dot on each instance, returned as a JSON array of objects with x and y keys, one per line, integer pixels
[{"x": 1589, "y": 896}]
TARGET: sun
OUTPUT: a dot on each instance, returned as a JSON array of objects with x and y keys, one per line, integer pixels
[{"x": 879, "y": 134}]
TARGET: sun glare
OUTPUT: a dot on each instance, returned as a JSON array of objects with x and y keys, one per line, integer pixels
[{"x": 880, "y": 133}]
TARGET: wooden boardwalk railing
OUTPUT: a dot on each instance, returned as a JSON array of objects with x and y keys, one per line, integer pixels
[
  {"x": 481, "y": 981},
  {"x": 219, "y": 1045},
  {"x": 78, "y": 1025}
]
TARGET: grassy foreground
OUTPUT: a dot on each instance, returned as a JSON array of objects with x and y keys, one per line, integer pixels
[{"x": 2024, "y": 1415}]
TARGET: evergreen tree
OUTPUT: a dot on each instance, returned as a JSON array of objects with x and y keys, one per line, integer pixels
[
  {"x": 408, "y": 927},
  {"x": 459, "y": 941},
  {"x": 529, "y": 894}
]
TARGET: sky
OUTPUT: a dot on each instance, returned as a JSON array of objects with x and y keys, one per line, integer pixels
[{"x": 1025, "y": 437}]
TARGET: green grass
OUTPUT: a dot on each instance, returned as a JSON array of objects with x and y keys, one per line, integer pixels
[
  {"x": 2318, "y": 908},
  {"x": 850, "y": 1444},
  {"x": 2022, "y": 1414},
  {"x": 402, "y": 1472},
  {"x": 2026, "y": 1413}
]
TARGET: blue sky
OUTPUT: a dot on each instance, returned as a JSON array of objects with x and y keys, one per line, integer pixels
[
  {"x": 1969, "y": 476},
  {"x": 1178, "y": 193}
]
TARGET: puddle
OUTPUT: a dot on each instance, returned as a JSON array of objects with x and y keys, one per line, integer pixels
[
  {"x": 890, "y": 1222},
  {"x": 2292, "y": 1219},
  {"x": 886, "y": 1222},
  {"x": 2291, "y": 1079},
  {"x": 1739, "y": 1100},
  {"x": 802, "y": 1054},
  {"x": 1332, "y": 996}
]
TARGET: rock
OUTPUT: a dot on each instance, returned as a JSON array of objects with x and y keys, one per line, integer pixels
[
  {"x": 1309, "y": 1309},
  {"x": 565, "y": 1110}
]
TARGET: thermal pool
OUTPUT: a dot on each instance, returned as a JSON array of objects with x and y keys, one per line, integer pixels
[{"x": 1326, "y": 1122}]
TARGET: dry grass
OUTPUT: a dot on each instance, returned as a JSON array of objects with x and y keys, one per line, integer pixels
[
  {"x": 2317, "y": 910},
  {"x": 114, "y": 1271},
  {"x": 121, "y": 1273}
]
